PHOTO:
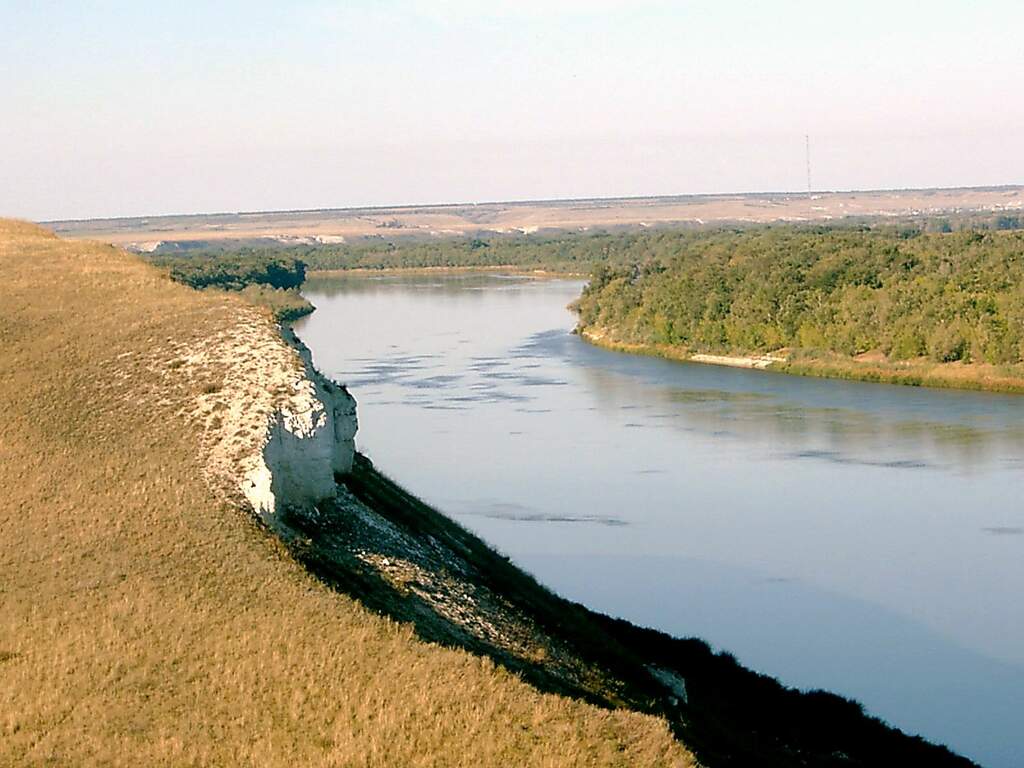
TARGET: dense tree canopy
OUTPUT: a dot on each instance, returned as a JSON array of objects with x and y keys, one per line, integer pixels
[
  {"x": 956, "y": 296},
  {"x": 269, "y": 280},
  {"x": 562, "y": 252},
  {"x": 235, "y": 271},
  {"x": 907, "y": 289}
]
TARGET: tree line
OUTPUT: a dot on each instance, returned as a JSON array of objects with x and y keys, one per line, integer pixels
[
  {"x": 946, "y": 289},
  {"x": 269, "y": 280},
  {"x": 949, "y": 297}
]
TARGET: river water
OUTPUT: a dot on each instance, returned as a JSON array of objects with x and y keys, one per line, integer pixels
[{"x": 862, "y": 538}]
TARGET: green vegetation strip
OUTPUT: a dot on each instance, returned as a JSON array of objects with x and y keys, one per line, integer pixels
[
  {"x": 269, "y": 280},
  {"x": 907, "y": 303},
  {"x": 925, "y": 309},
  {"x": 912, "y": 302}
]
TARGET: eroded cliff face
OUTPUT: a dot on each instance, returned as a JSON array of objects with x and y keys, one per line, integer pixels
[
  {"x": 308, "y": 440},
  {"x": 275, "y": 431}
]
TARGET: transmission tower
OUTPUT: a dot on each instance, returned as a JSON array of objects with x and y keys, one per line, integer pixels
[{"x": 807, "y": 151}]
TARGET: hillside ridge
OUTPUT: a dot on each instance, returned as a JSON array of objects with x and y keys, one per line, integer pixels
[{"x": 148, "y": 613}]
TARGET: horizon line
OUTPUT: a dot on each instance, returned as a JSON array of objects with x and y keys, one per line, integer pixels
[{"x": 535, "y": 201}]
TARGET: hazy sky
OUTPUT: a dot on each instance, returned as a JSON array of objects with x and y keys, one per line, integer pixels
[{"x": 125, "y": 108}]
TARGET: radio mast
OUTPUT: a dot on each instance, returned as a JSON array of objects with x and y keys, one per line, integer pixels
[{"x": 807, "y": 150}]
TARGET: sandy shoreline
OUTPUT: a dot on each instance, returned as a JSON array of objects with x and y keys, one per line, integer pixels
[
  {"x": 601, "y": 338},
  {"x": 759, "y": 362}
]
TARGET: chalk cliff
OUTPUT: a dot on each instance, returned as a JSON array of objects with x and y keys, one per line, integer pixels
[
  {"x": 275, "y": 431},
  {"x": 308, "y": 440}
]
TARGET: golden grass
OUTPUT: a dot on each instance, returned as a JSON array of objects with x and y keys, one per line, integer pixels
[
  {"x": 145, "y": 621},
  {"x": 982, "y": 377}
]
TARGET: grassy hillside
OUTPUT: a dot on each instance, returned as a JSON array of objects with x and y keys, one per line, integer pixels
[
  {"x": 144, "y": 620},
  {"x": 943, "y": 309}
]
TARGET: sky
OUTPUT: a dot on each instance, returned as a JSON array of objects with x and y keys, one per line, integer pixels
[{"x": 145, "y": 108}]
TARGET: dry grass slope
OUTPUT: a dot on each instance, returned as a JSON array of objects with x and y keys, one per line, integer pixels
[{"x": 144, "y": 620}]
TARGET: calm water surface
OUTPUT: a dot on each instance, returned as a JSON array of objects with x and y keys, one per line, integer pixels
[{"x": 867, "y": 539}]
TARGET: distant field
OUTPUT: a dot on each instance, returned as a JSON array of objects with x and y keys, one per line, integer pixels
[{"x": 331, "y": 226}]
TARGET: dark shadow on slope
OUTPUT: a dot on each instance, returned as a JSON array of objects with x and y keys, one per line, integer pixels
[{"x": 403, "y": 559}]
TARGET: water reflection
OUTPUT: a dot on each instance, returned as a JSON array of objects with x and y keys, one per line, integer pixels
[{"x": 838, "y": 434}]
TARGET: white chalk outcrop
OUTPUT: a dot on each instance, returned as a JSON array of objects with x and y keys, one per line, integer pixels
[
  {"x": 309, "y": 439},
  {"x": 275, "y": 431}
]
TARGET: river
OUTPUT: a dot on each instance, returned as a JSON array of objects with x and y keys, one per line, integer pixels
[{"x": 863, "y": 538}]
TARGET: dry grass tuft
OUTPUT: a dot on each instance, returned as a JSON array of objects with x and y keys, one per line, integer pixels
[{"x": 145, "y": 620}]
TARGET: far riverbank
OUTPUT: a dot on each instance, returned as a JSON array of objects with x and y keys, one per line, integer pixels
[
  {"x": 979, "y": 377},
  {"x": 507, "y": 269}
]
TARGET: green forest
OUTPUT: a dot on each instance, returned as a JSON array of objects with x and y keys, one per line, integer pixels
[
  {"x": 234, "y": 271},
  {"x": 561, "y": 253},
  {"x": 564, "y": 252},
  {"x": 906, "y": 290},
  {"x": 906, "y": 294},
  {"x": 269, "y": 280}
]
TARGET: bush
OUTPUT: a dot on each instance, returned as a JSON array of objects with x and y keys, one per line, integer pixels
[
  {"x": 947, "y": 344},
  {"x": 908, "y": 344},
  {"x": 287, "y": 305},
  {"x": 235, "y": 272}
]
